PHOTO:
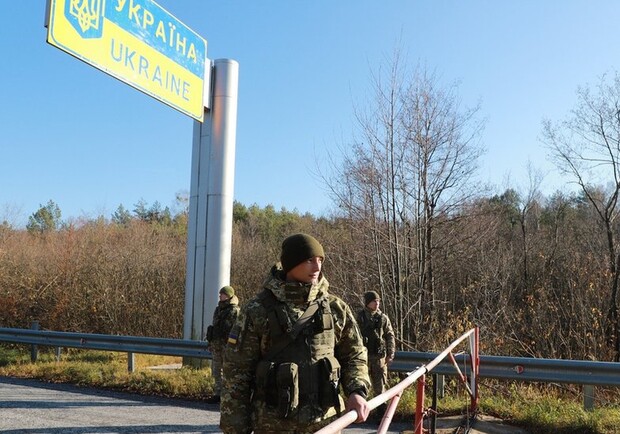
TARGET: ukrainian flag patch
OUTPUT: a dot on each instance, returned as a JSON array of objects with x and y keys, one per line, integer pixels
[{"x": 232, "y": 338}]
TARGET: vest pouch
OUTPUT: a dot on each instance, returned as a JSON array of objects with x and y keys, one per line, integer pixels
[
  {"x": 328, "y": 321},
  {"x": 324, "y": 321},
  {"x": 266, "y": 383},
  {"x": 209, "y": 333},
  {"x": 287, "y": 381},
  {"x": 329, "y": 367}
]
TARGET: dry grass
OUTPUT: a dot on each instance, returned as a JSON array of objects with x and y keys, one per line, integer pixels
[
  {"x": 537, "y": 408},
  {"x": 109, "y": 370}
]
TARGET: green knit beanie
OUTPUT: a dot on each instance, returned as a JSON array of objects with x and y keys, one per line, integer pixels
[
  {"x": 370, "y": 296},
  {"x": 228, "y": 290},
  {"x": 298, "y": 248}
]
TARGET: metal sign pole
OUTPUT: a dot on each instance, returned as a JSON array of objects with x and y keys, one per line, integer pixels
[{"x": 209, "y": 237}]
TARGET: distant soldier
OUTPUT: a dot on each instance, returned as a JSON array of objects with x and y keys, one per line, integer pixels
[
  {"x": 224, "y": 317},
  {"x": 292, "y": 348},
  {"x": 379, "y": 340}
]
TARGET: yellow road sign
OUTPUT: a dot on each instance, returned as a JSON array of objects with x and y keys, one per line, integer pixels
[{"x": 139, "y": 43}]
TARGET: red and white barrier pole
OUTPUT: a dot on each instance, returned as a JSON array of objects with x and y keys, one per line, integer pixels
[{"x": 419, "y": 406}]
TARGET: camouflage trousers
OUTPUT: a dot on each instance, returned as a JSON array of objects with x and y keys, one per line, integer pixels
[
  {"x": 310, "y": 429},
  {"x": 216, "y": 370},
  {"x": 378, "y": 372},
  {"x": 266, "y": 421},
  {"x": 301, "y": 431}
]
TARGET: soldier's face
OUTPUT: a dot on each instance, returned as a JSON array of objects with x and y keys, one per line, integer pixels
[
  {"x": 307, "y": 271},
  {"x": 374, "y": 305}
]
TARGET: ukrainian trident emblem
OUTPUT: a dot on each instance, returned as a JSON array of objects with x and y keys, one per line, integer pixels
[{"x": 86, "y": 16}]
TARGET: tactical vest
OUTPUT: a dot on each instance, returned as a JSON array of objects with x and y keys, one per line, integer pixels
[
  {"x": 299, "y": 368},
  {"x": 372, "y": 333},
  {"x": 221, "y": 327},
  {"x": 217, "y": 333}
]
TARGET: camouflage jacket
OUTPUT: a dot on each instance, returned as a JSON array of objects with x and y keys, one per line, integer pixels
[
  {"x": 250, "y": 342},
  {"x": 377, "y": 332},
  {"x": 224, "y": 318}
]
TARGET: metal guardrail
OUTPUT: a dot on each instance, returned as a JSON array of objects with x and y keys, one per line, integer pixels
[
  {"x": 129, "y": 344},
  {"x": 520, "y": 368},
  {"x": 582, "y": 372}
]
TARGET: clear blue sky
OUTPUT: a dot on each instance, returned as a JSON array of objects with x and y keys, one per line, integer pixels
[{"x": 73, "y": 134}]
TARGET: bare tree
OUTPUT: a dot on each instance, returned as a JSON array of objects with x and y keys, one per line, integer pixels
[
  {"x": 410, "y": 169},
  {"x": 586, "y": 147},
  {"x": 442, "y": 148},
  {"x": 528, "y": 205}
]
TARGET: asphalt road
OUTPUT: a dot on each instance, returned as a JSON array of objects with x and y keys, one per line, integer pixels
[{"x": 33, "y": 407}]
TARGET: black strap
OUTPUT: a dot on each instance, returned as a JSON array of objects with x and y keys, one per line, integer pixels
[
  {"x": 366, "y": 325},
  {"x": 290, "y": 337}
]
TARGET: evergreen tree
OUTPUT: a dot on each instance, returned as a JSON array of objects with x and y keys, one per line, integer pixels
[
  {"x": 121, "y": 216},
  {"x": 45, "y": 219}
]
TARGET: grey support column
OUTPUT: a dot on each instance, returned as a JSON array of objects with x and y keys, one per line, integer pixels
[{"x": 211, "y": 201}]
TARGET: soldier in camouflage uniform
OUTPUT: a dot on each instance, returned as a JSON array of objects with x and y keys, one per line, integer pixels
[
  {"x": 379, "y": 340},
  {"x": 224, "y": 317},
  {"x": 292, "y": 349}
]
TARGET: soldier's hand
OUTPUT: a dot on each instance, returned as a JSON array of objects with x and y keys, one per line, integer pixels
[{"x": 360, "y": 405}]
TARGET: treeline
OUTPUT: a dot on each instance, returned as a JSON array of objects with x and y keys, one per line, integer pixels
[
  {"x": 539, "y": 274},
  {"x": 533, "y": 278}
]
